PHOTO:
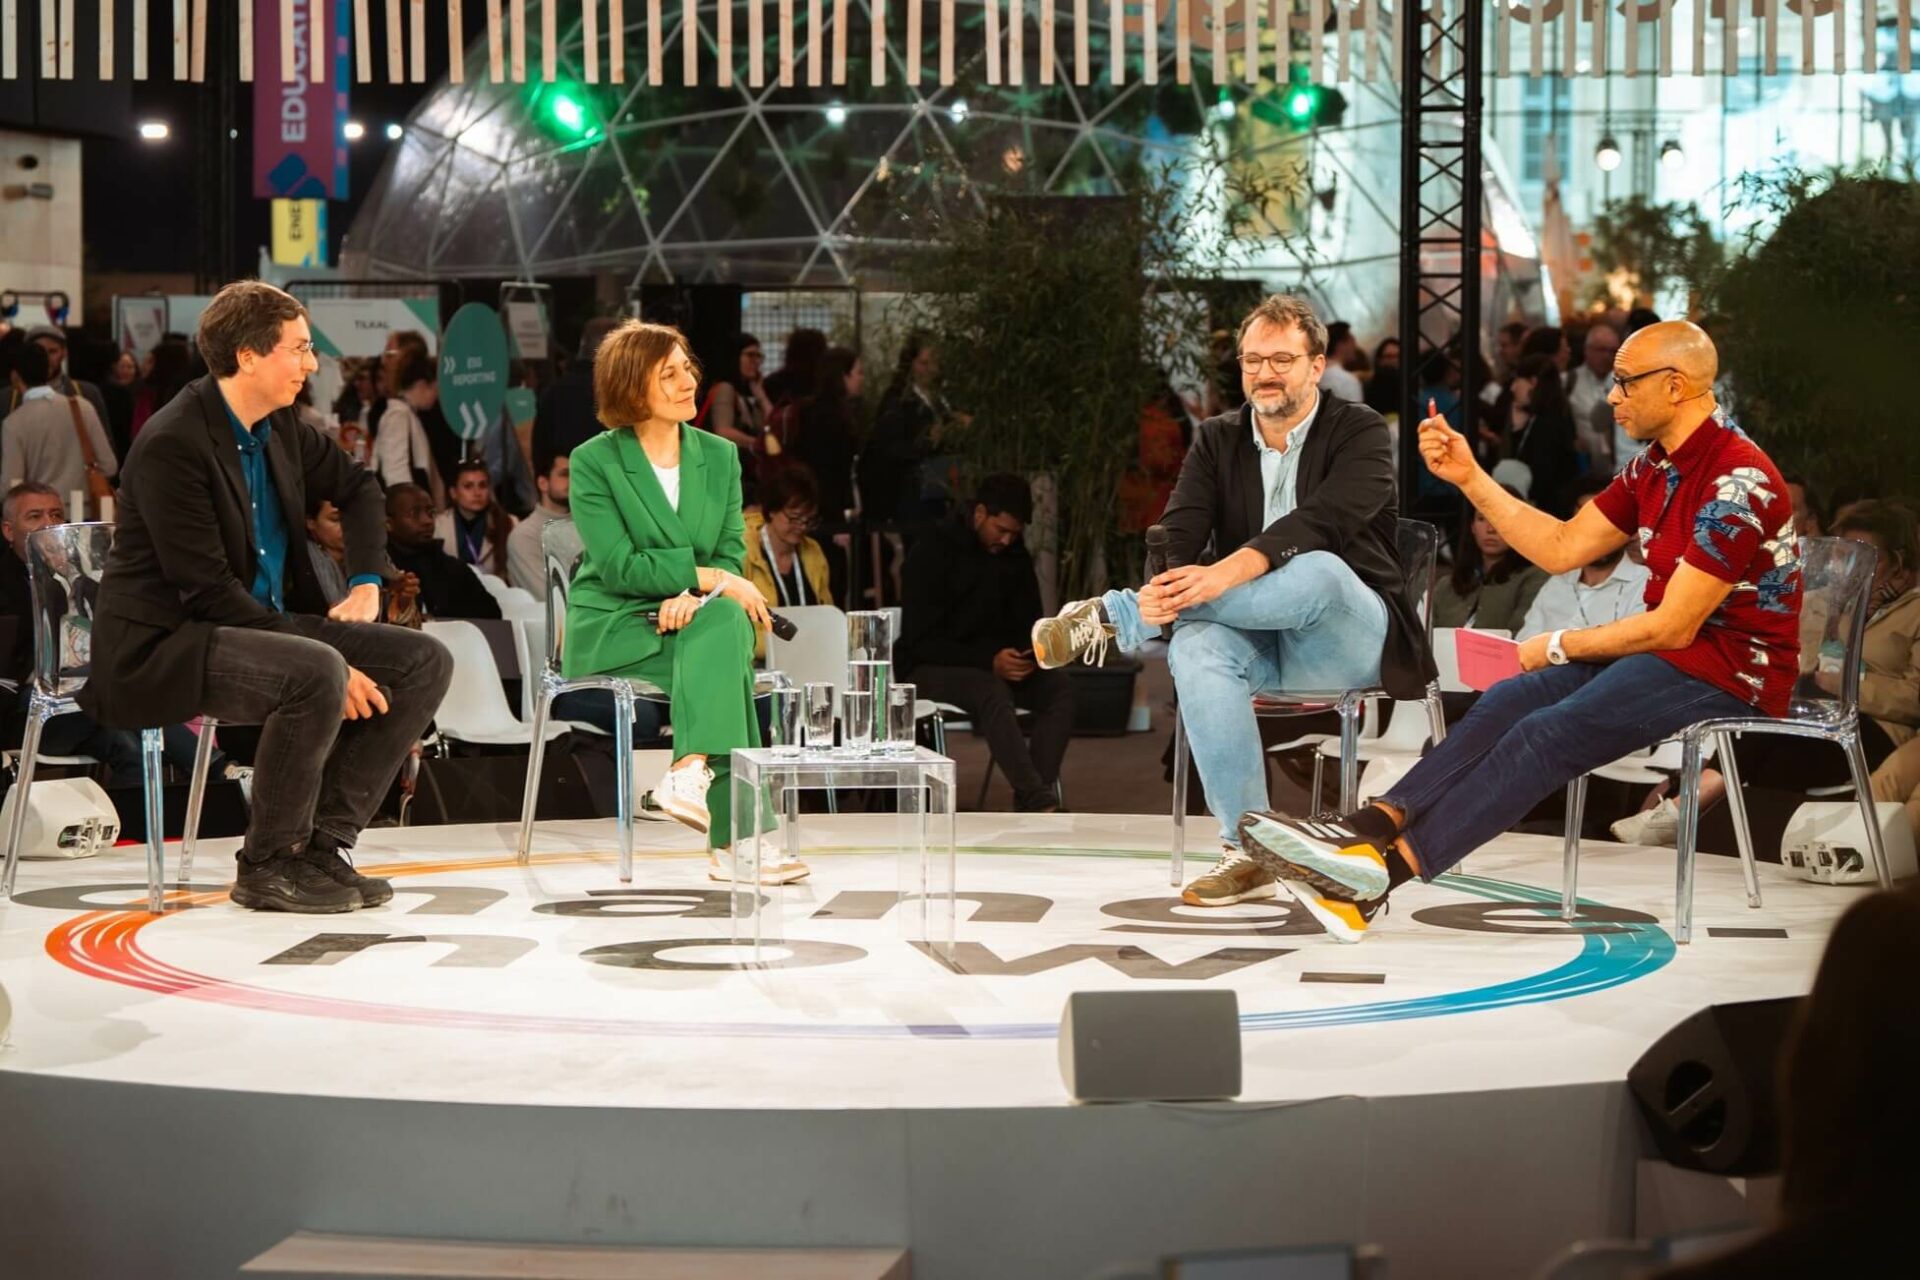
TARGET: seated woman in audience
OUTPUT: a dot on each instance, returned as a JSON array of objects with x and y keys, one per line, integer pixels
[
  {"x": 1491, "y": 585},
  {"x": 786, "y": 565},
  {"x": 474, "y": 528},
  {"x": 1849, "y": 1114},
  {"x": 1539, "y": 428},
  {"x": 1898, "y": 780},
  {"x": 657, "y": 505},
  {"x": 1889, "y": 685}
]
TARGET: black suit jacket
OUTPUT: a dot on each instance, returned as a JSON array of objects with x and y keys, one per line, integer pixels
[
  {"x": 183, "y": 556},
  {"x": 1346, "y": 504}
]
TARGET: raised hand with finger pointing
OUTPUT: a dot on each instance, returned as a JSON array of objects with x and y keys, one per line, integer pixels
[{"x": 1445, "y": 451}]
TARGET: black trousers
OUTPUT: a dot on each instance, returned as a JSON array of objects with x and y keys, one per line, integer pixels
[
  {"x": 1782, "y": 763},
  {"x": 315, "y": 772},
  {"x": 1031, "y": 762}
]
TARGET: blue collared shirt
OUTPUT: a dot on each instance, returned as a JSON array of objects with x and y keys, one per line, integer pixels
[
  {"x": 269, "y": 520},
  {"x": 1280, "y": 470}
]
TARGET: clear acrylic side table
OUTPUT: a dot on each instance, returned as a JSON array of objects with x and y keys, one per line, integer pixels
[{"x": 766, "y": 809}]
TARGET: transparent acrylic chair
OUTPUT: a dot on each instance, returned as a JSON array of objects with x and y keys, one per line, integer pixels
[
  {"x": 1418, "y": 544},
  {"x": 64, "y": 566},
  {"x": 1835, "y": 603},
  {"x": 561, "y": 545}
]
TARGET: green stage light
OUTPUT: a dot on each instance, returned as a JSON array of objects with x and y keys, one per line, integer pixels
[
  {"x": 1301, "y": 103},
  {"x": 567, "y": 113}
]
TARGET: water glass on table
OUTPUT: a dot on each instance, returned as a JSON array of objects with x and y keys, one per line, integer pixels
[
  {"x": 900, "y": 719},
  {"x": 820, "y": 716},
  {"x": 857, "y": 721},
  {"x": 788, "y": 707}
]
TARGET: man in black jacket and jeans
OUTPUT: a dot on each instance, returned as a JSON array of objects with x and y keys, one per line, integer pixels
[
  {"x": 210, "y": 606},
  {"x": 970, "y": 598},
  {"x": 1283, "y": 530}
]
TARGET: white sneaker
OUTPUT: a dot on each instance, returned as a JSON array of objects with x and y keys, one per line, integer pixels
[
  {"x": 778, "y": 869},
  {"x": 682, "y": 795},
  {"x": 1658, "y": 827}
]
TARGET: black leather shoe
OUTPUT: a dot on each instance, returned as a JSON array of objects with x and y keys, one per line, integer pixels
[
  {"x": 373, "y": 891},
  {"x": 288, "y": 882}
]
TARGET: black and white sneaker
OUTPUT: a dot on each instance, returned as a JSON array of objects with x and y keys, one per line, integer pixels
[{"x": 1330, "y": 854}]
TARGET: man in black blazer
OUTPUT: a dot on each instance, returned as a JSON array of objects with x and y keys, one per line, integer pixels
[
  {"x": 209, "y": 606},
  {"x": 1283, "y": 533}
]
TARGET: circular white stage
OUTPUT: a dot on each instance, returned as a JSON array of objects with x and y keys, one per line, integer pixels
[{"x": 506, "y": 990}]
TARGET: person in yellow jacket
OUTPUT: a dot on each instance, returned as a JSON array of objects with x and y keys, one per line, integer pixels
[{"x": 788, "y": 566}]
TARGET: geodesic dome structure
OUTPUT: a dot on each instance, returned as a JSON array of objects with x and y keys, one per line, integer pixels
[{"x": 818, "y": 186}]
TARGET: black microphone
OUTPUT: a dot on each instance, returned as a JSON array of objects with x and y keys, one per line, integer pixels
[
  {"x": 1160, "y": 554},
  {"x": 782, "y": 627}
]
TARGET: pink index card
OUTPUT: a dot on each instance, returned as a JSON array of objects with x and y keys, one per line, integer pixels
[{"x": 1485, "y": 660}]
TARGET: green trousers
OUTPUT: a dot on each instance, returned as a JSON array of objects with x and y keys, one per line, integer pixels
[{"x": 707, "y": 669}]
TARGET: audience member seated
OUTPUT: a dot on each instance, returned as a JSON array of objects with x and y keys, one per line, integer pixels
[
  {"x": 401, "y": 454},
  {"x": 789, "y": 567},
  {"x": 565, "y": 418},
  {"x": 327, "y": 548},
  {"x": 1850, "y": 1118},
  {"x": 49, "y": 438},
  {"x": 475, "y": 529},
  {"x": 1897, "y": 780},
  {"x": 448, "y": 589},
  {"x": 1383, "y": 388},
  {"x": 1539, "y": 433},
  {"x": 27, "y": 508},
  {"x": 1807, "y": 520},
  {"x": 1336, "y": 379},
  {"x": 526, "y": 560},
  {"x": 971, "y": 600},
  {"x": 1491, "y": 586},
  {"x": 1607, "y": 590},
  {"x": 1889, "y": 685}
]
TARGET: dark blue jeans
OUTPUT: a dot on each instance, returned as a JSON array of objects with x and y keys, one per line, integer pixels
[{"x": 1530, "y": 735}]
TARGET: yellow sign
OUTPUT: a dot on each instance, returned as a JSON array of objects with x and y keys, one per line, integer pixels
[{"x": 300, "y": 233}]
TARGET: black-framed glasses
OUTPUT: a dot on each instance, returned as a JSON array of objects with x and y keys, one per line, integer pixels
[
  {"x": 800, "y": 519},
  {"x": 1252, "y": 361},
  {"x": 1621, "y": 384}
]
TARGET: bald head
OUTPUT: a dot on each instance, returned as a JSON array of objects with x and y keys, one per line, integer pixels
[
  {"x": 1679, "y": 345},
  {"x": 1663, "y": 381}
]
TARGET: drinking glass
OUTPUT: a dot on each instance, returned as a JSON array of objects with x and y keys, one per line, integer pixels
[
  {"x": 871, "y": 676},
  {"x": 900, "y": 720},
  {"x": 869, "y": 636},
  {"x": 787, "y": 704},
  {"x": 819, "y": 716},
  {"x": 857, "y": 721}
]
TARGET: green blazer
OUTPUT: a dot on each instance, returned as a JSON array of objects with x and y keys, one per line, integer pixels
[{"x": 639, "y": 549}]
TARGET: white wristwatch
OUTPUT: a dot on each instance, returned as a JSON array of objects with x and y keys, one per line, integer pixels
[{"x": 1556, "y": 654}]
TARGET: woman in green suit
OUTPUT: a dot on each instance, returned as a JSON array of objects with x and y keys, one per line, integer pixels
[{"x": 657, "y": 504}]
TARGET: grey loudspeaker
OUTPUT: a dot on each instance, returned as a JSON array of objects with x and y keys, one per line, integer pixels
[{"x": 1145, "y": 1046}]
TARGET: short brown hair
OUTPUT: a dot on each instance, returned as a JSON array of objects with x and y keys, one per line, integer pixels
[
  {"x": 1289, "y": 311},
  {"x": 625, "y": 366},
  {"x": 244, "y": 316},
  {"x": 1890, "y": 522}
]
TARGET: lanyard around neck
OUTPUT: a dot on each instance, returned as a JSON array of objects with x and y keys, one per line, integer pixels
[{"x": 773, "y": 567}]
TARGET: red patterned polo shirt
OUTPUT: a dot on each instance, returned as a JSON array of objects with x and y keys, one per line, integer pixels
[{"x": 1718, "y": 504}]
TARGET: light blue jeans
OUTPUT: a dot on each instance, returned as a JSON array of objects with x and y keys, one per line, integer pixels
[{"x": 1310, "y": 626}]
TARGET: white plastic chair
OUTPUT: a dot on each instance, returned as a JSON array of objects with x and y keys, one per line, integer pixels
[
  {"x": 65, "y": 563},
  {"x": 475, "y": 709}
]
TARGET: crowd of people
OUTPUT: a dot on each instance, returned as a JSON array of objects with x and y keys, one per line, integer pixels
[{"x": 1304, "y": 585}]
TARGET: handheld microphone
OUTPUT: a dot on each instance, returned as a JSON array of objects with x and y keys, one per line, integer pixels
[{"x": 1160, "y": 554}]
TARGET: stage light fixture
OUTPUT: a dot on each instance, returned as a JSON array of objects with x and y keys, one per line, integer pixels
[
  {"x": 836, "y": 114},
  {"x": 154, "y": 130},
  {"x": 1607, "y": 154},
  {"x": 958, "y": 110},
  {"x": 393, "y": 132},
  {"x": 1225, "y": 108},
  {"x": 1672, "y": 156},
  {"x": 353, "y": 131},
  {"x": 1300, "y": 104}
]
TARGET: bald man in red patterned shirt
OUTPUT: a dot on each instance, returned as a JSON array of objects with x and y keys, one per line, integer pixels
[{"x": 1720, "y": 637}]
